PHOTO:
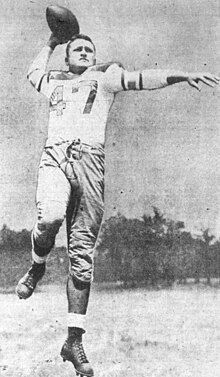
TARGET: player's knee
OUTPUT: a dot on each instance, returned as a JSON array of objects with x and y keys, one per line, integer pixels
[
  {"x": 81, "y": 273},
  {"x": 79, "y": 284},
  {"x": 84, "y": 278},
  {"x": 51, "y": 216}
]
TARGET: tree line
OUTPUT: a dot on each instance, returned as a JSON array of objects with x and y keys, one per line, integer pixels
[
  {"x": 152, "y": 250},
  {"x": 155, "y": 250}
]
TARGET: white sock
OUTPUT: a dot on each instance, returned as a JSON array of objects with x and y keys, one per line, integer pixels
[
  {"x": 76, "y": 320},
  {"x": 38, "y": 259}
]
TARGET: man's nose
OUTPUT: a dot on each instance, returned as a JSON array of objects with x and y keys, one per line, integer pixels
[{"x": 83, "y": 52}]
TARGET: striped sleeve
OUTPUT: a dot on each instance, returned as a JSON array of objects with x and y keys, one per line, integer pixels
[
  {"x": 38, "y": 75},
  {"x": 42, "y": 82},
  {"x": 132, "y": 80},
  {"x": 118, "y": 79},
  {"x": 114, "y": 78}
]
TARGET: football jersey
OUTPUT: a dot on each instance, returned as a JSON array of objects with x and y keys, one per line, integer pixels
[{"x": 80, "y": 104}]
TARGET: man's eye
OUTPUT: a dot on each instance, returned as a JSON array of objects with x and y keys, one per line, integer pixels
[
  {"x": 88, "y": 50},
  {"x": 78, "y": 49}
]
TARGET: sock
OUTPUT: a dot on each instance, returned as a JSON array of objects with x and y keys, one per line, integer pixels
[
  {"x": 75, "y": 332},
  {"x": 76, "y": 320},
  {"x": 39, "y": 266},
  {"x": 37, "y": 259}
]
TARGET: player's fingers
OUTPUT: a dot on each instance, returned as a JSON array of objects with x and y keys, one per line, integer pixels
[
  {"x": 212, "y": 78},
  {"x": 194, "y": 84},
  {"x": 207, "y": 81},
  {"x": 216, "y": 79}
]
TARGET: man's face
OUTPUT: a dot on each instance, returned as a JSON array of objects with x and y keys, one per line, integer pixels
[{"x": 81, "y": 56}]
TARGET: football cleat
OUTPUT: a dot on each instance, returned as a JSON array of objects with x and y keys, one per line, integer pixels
[
  {"x": 73, "y": 351},
  {"x": 28, "y": 282}
]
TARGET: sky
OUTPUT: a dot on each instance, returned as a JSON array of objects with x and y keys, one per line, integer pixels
[{"x": 162, "y": 147}]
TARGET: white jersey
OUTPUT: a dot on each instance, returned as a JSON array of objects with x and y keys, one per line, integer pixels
[{"x": 79, "y": 105}]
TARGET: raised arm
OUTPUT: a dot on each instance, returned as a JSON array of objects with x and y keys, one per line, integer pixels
[{"x": 38, "y": 68}]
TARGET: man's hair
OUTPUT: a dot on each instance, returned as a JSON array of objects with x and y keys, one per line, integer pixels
[{"x": 78, "y": 36}]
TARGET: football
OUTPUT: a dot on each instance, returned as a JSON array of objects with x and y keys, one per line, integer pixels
[{"x": 62, "y": 22}]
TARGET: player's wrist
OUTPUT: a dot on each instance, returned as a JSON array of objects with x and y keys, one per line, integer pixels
[
  {"x": 52, "y": 45},
  {"x": 53, "y": 42},
  {"x": 173, "y": 78}
]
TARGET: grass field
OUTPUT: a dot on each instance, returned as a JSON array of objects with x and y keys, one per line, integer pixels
[{"x": 139, "y": 333}]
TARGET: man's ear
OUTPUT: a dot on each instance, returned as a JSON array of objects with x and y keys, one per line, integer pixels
[{"x": 66, "y": 61}]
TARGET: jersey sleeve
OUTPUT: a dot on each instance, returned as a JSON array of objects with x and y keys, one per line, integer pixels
[
  {"x": 113, "y": 78},
  {"x": 47, "y": 83},
  {"x": 118, "y": 79},
  {"x": 38, "y": 76}
]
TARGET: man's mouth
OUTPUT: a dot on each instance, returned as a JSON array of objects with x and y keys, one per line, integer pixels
[{"x": 84, "y": 59}]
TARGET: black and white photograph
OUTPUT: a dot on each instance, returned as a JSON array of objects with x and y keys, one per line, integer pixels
[{"x": 110, "y": 188}]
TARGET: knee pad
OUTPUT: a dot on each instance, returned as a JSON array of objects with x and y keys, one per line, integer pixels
[
  {"x": 81, "y": 277},
  {"x": 51, "y": 215},
  {"x": 50, "y": 219}
]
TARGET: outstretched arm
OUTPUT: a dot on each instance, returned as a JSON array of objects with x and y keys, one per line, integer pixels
[
  {"x": 39, "y": 66},
  {"x": 156, "y": 79},
  {"x": 117, "y": 78}
]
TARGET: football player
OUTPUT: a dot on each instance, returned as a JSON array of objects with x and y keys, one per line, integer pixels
[{"x": 71, "y": 171}]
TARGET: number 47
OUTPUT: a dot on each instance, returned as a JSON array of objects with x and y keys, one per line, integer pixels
[{"x": 57, "y": 103}]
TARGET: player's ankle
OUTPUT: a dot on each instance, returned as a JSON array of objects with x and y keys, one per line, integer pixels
[
  {"x": 38, "y": 266},
  {"x": 75, "y": 333}
]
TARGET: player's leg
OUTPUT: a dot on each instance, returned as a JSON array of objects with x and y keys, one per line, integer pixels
[
  {"x": 52, "y": 198},
  {"x": 83, "y": 228},
  {"x": 72, "y": 350}
]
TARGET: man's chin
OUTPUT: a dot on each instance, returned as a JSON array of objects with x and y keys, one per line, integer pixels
[{"x": 79, "y": 68}]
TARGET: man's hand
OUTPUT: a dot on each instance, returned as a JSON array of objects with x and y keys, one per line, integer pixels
[
  {"x": 54, "y": 41},
  {"x": 207, "y": 78}
]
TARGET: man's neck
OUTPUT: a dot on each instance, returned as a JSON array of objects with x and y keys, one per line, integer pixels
[{"x": 77, "y": 70}]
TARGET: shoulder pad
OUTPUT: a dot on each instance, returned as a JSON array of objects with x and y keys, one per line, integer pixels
[
  {"x": 104, "y": 66},
  {"x": 58, "y": 75}
]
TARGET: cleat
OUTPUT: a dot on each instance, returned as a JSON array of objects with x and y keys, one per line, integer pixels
[
  {"x": 28, "y": 282},
  {"x": 73, "y": 351}
]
